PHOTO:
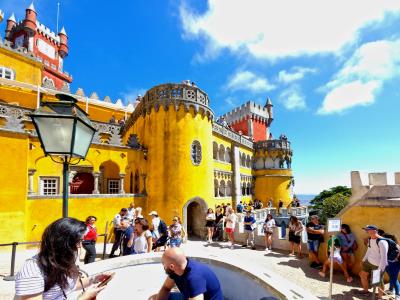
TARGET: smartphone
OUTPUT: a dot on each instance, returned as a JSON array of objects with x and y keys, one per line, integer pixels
[{"x": 105, "y": 281}]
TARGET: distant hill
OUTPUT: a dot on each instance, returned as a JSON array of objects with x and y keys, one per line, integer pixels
[{"x": 305, "y": 198}]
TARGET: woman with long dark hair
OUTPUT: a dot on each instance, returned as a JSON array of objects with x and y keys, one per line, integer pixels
[
  {"x": 348, "y": 245},
  {"x": 295, "y": 231},
  {"x": 52, "y": 274},
  {"x": 268, "y": 228}
]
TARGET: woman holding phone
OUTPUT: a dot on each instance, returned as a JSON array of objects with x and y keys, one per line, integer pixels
[{"x": 52, "y": 273}]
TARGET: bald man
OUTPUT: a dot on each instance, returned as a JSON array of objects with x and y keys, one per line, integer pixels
[{"x": 194, "y": 280}]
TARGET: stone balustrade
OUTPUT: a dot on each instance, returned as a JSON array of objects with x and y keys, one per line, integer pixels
[
  {"x": 281, "y": 144},
  {"x": 226, "y": 132}
]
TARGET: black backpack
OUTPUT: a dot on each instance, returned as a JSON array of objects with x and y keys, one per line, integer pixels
[
  {"x": 393, "y": 249},
  {"x": 162, "y": 228}
]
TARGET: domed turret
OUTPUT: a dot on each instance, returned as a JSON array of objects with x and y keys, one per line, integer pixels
[
  {"x": 30, "y": 18},
  {"x": 11, "y": 22},
  {"x": 63, "y": 43}
]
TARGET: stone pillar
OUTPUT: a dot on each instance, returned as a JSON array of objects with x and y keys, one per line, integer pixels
[
  {"x": 31, "y": 172},
  {"x": 96, "y": 176},
  {"x": 236, "y": 189},
  {"x": 144, "y": 176},
  {"x": 121, "y": 183},
  {"x": 397, "y": 178}
]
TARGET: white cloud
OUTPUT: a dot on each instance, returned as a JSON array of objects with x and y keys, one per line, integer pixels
[
  {"x": 296, "y": 73},
  {"x": 248, "y": 81},
  {"x": 276, "y": 29},
  {"x": 292, "y": 98},
  {"x": 362, "y": 76}
]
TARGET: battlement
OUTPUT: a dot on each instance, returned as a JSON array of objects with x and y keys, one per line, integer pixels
[
  {"x": 248, "y": 110},
  {"x": 377, "y": 187}
]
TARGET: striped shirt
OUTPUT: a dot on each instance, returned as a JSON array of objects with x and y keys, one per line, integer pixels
[{"x": 30, "y": 281}]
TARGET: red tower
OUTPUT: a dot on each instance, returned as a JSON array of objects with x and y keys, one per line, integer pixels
[
  {"x": 48, "y": 47},
  {"x": 251, "y": 119}
]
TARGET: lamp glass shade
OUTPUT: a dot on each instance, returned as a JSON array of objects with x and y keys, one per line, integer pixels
[
  {"x": 83, "y": 139},
  {"x": 55, "y": 133}
]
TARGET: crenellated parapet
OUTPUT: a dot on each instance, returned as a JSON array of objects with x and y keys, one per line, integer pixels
[
  {"x": 175, "y": 95},
  {"x": 273, "y": 154},
  {"x": 249, "y": 110}
]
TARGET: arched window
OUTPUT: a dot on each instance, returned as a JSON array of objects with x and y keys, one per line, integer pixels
[
  {"x": 215, "y": 150},
  {"x": 248, "y": 189},
  {"x": 228, "y": 155},
  {"x": 229, "y": 188},
  {"x": 136, "y": 189},
  {"x": 221, "y": 154},
  {"x": 215, "y": 187},
  {"x": 243, "y": 189},
  {"x": 222, "y": 189},
  {"x": 7, "y": 73},
  {"x": 196, "y": 153}
]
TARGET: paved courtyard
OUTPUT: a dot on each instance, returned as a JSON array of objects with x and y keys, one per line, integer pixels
[{"x": 291, "y": 268}]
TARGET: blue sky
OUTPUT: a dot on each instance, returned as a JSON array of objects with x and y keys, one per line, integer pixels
[{"x": 331, "y": 68}]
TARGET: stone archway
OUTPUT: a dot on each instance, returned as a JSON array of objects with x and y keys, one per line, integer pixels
[{"x": 194, "y": 215}]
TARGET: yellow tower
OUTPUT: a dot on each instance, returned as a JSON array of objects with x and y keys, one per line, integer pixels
[
  {"x": 173, "y": 122},
  {"x": 272, "y": 171}
]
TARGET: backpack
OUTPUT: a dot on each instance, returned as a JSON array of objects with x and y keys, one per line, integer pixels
[
  {"x": 393, "y": 249},
  {"x": 162, "y": 228}
]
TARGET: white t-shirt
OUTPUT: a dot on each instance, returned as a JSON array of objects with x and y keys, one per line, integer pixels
[
  {"x": 30, "y": 281},
  {"x": 210, "y": 217},
  {"x": 374, "y": 252},
  {"x": 156, "y": 223},
  {"x": 140, "y": 242},
  {"x": 231, "y": 221},
  {"x": 131, "y": 214},
  {"x": 117, "y": 220}
]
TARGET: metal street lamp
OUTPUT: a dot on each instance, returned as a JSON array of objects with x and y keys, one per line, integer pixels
[{"x": 65, "y": 134}]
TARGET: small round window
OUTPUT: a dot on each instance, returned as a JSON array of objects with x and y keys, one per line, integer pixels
[{"x": 195, "y": 153}]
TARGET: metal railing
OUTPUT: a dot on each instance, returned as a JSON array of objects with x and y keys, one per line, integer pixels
[{"x": 14, "y": 245}]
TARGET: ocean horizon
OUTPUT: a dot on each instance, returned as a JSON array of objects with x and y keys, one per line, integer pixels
[{"x": 305, "y": 198}]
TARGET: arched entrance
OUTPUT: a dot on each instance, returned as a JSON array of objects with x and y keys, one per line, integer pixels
[
  {"x": 82, "y": 183},
  {"x": 194, "y": 214}
]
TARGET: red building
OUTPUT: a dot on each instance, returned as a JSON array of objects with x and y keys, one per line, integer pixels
[
  {"x": 251, "y": 119},
  {"x": 48, "y": 47}
]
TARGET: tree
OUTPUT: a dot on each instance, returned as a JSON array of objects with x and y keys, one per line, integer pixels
[
  {"x": 329, "y": 203},
  {"x": 332, "y": 205}
]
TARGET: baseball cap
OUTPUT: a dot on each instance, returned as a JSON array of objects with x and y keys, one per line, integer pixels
[{"x": 370, "y": 227}]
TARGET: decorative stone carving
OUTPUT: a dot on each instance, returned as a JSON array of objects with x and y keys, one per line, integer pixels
[
  {"x": 80, "y": 92},
  {"x": 171, "y": 94},
  {"x": 133, "y": 142},
  {"x": 217, "y": 128}
]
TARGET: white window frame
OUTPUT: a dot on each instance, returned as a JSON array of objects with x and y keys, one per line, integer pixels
[
  {"x": 42, "y": 188},
  {"x": 4, "y": 70},
  {"x": 113, "y": 189}
]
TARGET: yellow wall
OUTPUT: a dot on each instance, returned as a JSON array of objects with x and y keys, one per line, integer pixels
[
  {"x": 13, "y": 191},
  {"x": 41, "y": 212},
  {"x": 272, "y": 183},
  {"x": 26, "y": 70},
  {"x": 172, "y": 178}
]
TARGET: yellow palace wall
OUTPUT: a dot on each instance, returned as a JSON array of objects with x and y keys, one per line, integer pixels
[{"x": 173, "y": 179}]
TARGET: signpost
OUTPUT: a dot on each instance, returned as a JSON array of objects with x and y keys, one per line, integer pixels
[{"x": 333, "y": 227}]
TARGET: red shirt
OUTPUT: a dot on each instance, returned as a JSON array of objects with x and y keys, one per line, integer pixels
[{"x": 92, "y": 234}]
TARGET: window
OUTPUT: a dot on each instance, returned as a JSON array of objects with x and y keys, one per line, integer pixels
[
  {"x": 113, "y": 186},
  {"x": 49, "y": 186},
  {"x": 7, "y": 73},
  {"x": 196, "y": 153}
]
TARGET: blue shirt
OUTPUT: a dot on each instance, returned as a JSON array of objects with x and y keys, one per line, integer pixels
[
  {"x": 251, "y": 220},
  {"x": 198, "y": 279},
  {"x": 127, "y": 235}
]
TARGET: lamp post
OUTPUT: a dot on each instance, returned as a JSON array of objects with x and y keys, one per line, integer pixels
[{"x": 65, "y": 134}]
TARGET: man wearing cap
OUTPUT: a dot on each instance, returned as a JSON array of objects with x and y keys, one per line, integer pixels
[{"x": 375, "y": 259}]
